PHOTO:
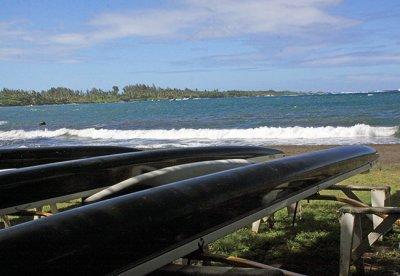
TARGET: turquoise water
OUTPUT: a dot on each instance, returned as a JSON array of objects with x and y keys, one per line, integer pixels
[{"x": 311, "y": 119}]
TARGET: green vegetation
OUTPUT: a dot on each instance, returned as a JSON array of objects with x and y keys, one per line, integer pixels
[{"x": 61, "y": 95}]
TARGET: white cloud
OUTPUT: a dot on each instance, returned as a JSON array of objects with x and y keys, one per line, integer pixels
[
  {"x": 70, "y": 61},
  {"x": 10, "y": 53},
  {"x": 69, "y": 39},
  {"x": 378, "y": 77},
  {"x": 11, "y": 31},
  {"x": 356, "y": 59},
  {"x": 232, "y": 18},
  {"x": 15, "y": 41},
  {"x": 18, "y": 42},
  {"x": 7, "y": 29},
  {"x": 300, "y": 49},
  {"x": 156, "y": 24},
  {"x": 201, "y": 19},
  {"x": 186, "y": 20}
]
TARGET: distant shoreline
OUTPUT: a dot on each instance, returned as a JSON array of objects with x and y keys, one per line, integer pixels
[
  {"x": 141, "y": 92},
  {"x": 129, "y": 93}
]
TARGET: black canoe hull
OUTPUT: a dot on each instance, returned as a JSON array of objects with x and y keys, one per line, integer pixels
[
  {"x": 38, "y": 183},
  {"x": 26, "y": 157},
  {"x": 165, "y": 176},
  {"x": 127, "y": 231}
]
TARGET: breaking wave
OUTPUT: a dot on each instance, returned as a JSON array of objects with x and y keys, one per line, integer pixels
[{"x": 287, "y": 133}]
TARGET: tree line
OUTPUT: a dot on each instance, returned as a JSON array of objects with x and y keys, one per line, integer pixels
[{"x": 62, "y": 95}]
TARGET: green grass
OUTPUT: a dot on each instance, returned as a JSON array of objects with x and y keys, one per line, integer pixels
[{"x": 312, "y": 246}]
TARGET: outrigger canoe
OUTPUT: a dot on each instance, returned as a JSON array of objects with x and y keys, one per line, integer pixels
[
  {"x": 33, "y": 186},
  {"x": 140, "y": 232}
]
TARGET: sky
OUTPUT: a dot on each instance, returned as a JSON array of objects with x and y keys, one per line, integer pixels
[{"x": 301, "y": 45}]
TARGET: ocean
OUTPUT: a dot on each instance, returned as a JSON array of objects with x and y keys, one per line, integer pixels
[{"x": 285, "y": 120}]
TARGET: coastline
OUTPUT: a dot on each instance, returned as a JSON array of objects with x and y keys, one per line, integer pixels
[
  {"x": 137, "y": 92},
  {"x": 64, "y": 96}
]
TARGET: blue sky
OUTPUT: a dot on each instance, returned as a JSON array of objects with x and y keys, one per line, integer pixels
[{"x": 300, "y": 45}]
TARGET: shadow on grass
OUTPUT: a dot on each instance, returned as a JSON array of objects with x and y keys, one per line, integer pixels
[{"x": 312, "y": 247}]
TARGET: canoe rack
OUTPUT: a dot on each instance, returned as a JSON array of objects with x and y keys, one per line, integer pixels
[{"x": 353, "y": 241}]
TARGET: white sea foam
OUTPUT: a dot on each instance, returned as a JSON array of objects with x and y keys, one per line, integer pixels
[
  {"x": 3, "y": 123},
  {"x": 286, "y": 133}
]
